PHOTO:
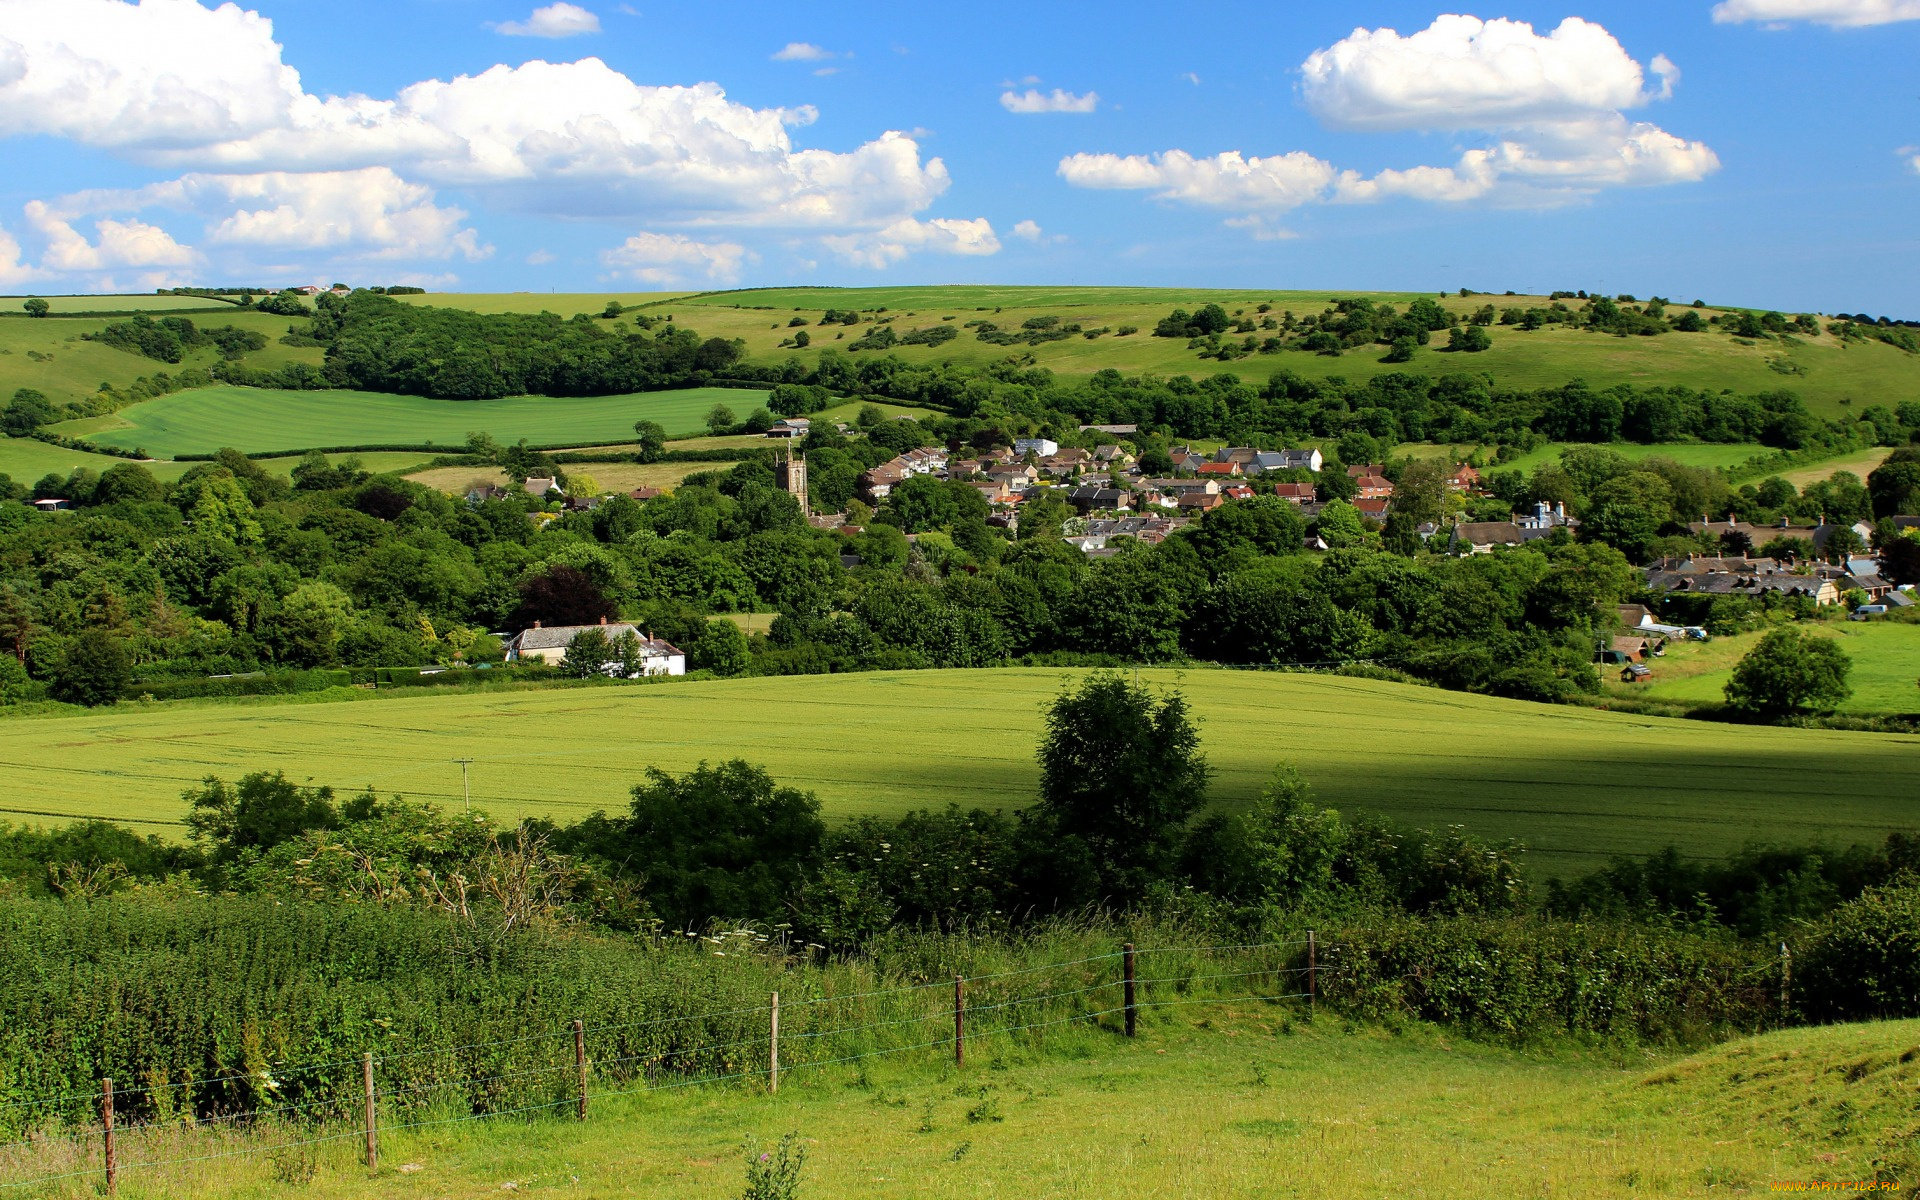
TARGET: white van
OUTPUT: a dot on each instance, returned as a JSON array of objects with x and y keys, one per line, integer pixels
[{"x": 1868, "y": 610}]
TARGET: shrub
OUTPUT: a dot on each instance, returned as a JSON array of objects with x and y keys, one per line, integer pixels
[{"x": 1863, "y": 962}]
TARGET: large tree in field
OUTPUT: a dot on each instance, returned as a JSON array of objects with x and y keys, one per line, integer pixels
[
  {"x": 1121, "y": 772},
  {"x": 1790, "y": 671}
]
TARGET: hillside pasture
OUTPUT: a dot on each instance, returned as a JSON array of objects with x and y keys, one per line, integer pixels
[
  {"x": 261, "y": 420},
  {"x": 1818, "y": 367},
  {"x": 52, "y": 356},
  {"x": 1885, "y": 675},
  {"x": 1575, "y": 784},
  {"x": 565, "y": 304}
]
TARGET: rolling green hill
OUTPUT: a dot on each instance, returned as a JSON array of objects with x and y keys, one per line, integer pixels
[
  {"x": 50, "y": 356},
  {"x": 1829, "y": 376},
  {"x": 257, "y": 420},
  {"x": 1575, "y": 784}
]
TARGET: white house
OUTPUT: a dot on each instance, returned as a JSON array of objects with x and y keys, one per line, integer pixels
[
  {"x": 1038, "y": 447},
  {"x": 548, "y": 644}
]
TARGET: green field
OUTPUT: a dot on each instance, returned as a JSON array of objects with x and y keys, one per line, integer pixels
[
  {"x": 25, "y": 461},
  {"x": 1576, "y": 784},
  {"x": 1219, "y": 1101},
  {"x": 1827, "y": 374},
  {"x": 1693, "y": 454},
  {"x": 76, "y": 305},
  {"x": 1885, "y": 677},
  {"x": 257, "y": 420},
  {"x": 50, "y": 356}
]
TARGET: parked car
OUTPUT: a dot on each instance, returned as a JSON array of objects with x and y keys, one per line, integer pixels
[{"x": 1867, "y": 610}]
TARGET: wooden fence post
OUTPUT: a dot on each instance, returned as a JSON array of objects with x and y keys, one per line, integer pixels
[
  {"x": 106, "y": 1126},
  {"x": 773, "y": 1046},
  {"x": 580, "y": 1062},
  {"x": 1313, "y": 973},
  {"x": 373, "y": 1125},
  {"x": 1127, "y": 1002},
  {"x": 959, "y": 1021}
]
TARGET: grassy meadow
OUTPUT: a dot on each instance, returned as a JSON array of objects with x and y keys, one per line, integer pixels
[
  {"x": 1576, "y": 785},
  {"x": 1211, "y": 1102},
  {"x": 258, "y": 420},
  {"x": 1885, "y": 676}
]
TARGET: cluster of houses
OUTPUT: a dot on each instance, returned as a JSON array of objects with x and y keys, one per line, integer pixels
[
  {"x": 1108, "y": 478},
  {"x": 1753, "y": 578}
]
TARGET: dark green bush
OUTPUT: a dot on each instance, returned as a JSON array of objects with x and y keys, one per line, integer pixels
[{"x": 1863, "y": 961}]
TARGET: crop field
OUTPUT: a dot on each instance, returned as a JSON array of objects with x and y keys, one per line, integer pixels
[
  {"x": 1819, "y": 368},
  {"x": 611, "y": 476},
  {"x": 1218, "y": 1101},
  {"x": 259, "y": 420},
  {"x": 1575, "y": 784},
  {"x": 1885, "y": 676}
]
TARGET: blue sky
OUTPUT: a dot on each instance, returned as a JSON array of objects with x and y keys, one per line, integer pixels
[{"x": 1763, "y": 152}]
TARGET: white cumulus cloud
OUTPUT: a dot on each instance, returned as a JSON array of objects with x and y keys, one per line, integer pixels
[
  {"x": 801, "y": 52},
  {"x": 174, "y": 85},
  {"x": 1227, "y": 180},
  {"x": 1465, "y": 73},
  {"x": 553, "y": 21},
  {"x": 1058, "y": 100},
  {"x": 1839, "y": 13},
  {"x": 1029, "y": 231},
  {"x": 895, "y": 243},
  {"x": 14, "y": 270},
  {"x": 117, "y": 245},
  {"x": 664, "y": 259},
  {"x": 1551, "y": 108}
]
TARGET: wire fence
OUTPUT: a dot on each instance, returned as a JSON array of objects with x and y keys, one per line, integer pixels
[{"x": 292, "y": 1108}]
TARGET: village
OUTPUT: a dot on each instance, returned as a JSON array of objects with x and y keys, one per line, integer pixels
[{"x": 1115, "y": 501}]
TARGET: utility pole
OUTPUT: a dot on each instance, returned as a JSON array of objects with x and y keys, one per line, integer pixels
[{"x": 466, "y": 791}]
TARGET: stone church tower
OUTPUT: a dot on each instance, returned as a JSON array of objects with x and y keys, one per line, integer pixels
[{"x": 790, "y": 476}]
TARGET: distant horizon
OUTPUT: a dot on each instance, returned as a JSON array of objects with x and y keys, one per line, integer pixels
[{"x": 878, "y": 285}]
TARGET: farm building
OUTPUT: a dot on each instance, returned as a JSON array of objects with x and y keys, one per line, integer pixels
[{"x": 548, "y": 644}]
